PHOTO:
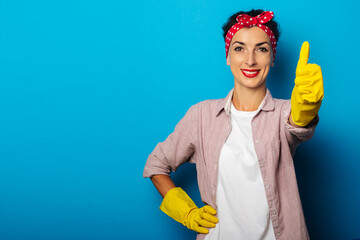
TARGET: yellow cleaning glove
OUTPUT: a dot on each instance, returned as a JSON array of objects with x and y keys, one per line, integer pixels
[
  {"x": 308, "y": 91},
  {"x": 179, "y": 206}
]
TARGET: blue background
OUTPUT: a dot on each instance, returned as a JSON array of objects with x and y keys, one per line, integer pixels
[{"x": 88, "y": 88}]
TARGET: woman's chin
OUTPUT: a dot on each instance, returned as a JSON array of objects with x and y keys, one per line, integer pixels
[{"x": 252, "y": 85}]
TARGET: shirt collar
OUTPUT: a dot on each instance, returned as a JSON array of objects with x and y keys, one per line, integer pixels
[{"x": 225, "y": 103}]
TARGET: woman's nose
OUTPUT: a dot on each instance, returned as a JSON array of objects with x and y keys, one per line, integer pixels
[{"x": 250, "y": 59}]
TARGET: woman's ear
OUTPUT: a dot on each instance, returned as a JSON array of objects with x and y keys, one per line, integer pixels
[{"x": 228, "y": 60}]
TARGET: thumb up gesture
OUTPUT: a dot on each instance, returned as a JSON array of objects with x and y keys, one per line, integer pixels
[{"x": 308, "y": 91}]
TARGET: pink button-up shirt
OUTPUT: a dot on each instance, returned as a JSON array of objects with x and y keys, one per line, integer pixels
[{"x": 200, "y": 136}]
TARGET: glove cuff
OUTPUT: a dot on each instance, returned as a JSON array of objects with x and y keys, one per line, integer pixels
[{"x": 177, "y": 205}]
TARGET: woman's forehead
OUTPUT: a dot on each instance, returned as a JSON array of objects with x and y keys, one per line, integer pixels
[{"x": 251, "y": 36}]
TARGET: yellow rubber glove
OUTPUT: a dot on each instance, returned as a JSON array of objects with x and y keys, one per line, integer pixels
[
  {"x": 308, "y": 92},
  {"x": 179, "y": 206}
]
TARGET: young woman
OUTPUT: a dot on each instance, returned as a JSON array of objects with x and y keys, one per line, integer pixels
[{"x": 243, "y": 144}]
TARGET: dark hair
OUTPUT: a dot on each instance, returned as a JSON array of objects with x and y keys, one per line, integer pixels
[{"x": 274, "y": 26}]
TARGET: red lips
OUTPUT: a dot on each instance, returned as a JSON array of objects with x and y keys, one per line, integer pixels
[{"x": 250, "y": 73}]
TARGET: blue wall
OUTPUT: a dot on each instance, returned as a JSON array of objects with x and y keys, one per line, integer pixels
[{"x": 88, "y": 88}]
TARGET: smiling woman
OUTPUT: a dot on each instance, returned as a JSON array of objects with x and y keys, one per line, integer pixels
[{"x": 243, "y": 144}]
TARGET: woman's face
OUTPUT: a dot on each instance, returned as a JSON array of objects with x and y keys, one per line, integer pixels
[{"x": 250, "y": 57}]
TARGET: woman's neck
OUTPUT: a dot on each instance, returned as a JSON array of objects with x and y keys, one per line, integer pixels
[{"x": 248, "y": 99}]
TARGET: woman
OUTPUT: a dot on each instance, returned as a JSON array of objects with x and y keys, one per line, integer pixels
[{"x": 243, "y": 145}]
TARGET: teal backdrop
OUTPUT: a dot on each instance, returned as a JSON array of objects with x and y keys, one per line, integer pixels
[{"x": 88, "y": 88}]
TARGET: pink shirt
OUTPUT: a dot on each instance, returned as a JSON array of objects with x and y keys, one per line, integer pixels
[{"x": 199, "y": 137}]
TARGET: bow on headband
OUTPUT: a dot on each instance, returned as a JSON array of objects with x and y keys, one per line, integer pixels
[{"x": 244, "y": 20}]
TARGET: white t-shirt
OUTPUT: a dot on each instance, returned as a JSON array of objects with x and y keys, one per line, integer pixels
[{"x": 243, "y": 210}]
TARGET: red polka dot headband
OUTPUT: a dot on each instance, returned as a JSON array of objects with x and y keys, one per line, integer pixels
[{"x": 244, "y": 20}]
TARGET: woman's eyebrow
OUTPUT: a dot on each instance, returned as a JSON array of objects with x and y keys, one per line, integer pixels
[
  {"x": 241, "y": 43},
  {"x": 258, "y": 44}
]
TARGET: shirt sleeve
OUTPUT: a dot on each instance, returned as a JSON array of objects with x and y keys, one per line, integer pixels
[
  {"x": 297, "y": 135},
  {"x": 177, "y": 148}
]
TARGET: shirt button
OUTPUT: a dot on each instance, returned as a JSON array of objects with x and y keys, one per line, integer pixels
[
  {"x": 277, "y": 234},
  {"x": 267, "y": 186},
  {"x": 256, "y": 141},
  {"x": 273, "y": 212},
  {"x": 262, "y": 163}
]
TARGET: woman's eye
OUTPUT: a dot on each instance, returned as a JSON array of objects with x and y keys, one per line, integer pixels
[
  {"x": 238, "y": 49},
  {"x": 262, "y": 49}
]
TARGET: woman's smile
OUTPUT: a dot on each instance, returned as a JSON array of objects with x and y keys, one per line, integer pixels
[{"x": 250, "y": 73}]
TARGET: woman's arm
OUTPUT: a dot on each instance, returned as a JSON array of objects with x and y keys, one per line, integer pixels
[
  {"x": 167, "y": 156},
  {"x": 163, "y": 183}
]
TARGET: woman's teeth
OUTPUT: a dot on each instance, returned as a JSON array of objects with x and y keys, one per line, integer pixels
[{"x": 250, "y": 72}]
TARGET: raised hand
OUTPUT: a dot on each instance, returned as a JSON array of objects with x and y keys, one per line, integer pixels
[{"x": 308, "y": 91}]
